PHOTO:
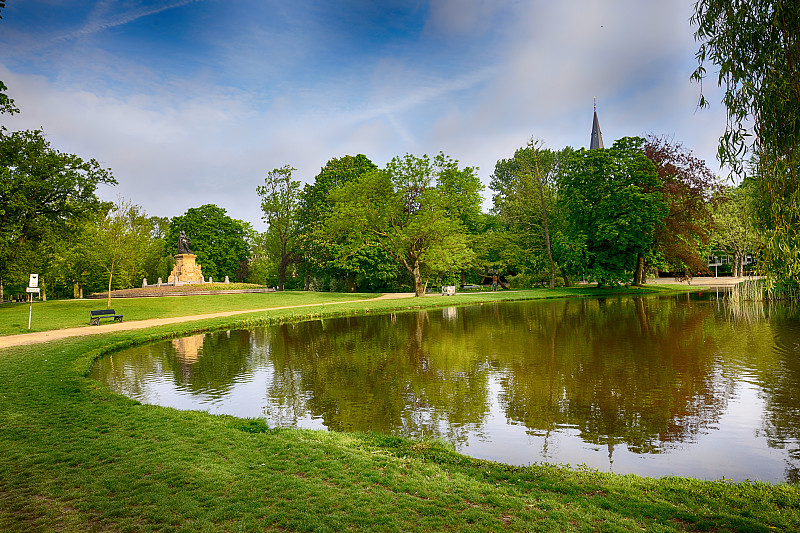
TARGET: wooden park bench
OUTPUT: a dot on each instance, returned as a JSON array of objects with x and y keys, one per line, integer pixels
[{"x": 95, "y": 316}]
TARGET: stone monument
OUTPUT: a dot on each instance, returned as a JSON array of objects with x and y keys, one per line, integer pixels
[{"x": 185, "y": 269}]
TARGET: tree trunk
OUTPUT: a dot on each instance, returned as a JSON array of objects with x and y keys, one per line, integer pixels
[
  {"x": 282, "y": 266},
  {"x": 108, "y": 302},
  {"x": 419, "y": 287},
  {"x": 546, "y": 226},
  {"x": 1, "y": 292}
]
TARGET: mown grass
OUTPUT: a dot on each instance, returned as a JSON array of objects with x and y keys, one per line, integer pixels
[
  {"x": 59, "y": 314},
  {"x": 77, "y": 457}
]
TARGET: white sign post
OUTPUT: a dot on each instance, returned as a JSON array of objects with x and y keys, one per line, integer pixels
[{"x": 33, "y": 287}]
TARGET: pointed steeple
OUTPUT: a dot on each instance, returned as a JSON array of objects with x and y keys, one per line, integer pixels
[{"x": 597, "y": 137}]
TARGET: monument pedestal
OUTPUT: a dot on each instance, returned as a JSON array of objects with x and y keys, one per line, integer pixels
[{"x": 185, "y": 270}]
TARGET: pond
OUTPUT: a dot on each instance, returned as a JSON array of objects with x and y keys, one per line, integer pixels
[{"x": 680, "y": 384}]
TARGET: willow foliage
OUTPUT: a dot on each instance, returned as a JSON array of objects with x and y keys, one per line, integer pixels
[{"x": 756, "y": 45}]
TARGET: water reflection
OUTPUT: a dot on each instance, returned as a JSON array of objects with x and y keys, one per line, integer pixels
[{"x": 671, "y": 385}]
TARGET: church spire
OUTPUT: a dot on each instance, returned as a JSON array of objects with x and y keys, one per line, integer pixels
[{"x": 597, "y": 137}]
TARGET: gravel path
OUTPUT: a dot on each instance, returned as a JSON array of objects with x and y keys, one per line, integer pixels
[{"x": 57, "y": 334}]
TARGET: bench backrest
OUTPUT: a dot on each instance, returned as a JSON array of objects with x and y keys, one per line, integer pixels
[{"x": 103, "y": 312}]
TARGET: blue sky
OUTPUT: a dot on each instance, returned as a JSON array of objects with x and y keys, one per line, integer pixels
[{"x": 193, "y": 101}]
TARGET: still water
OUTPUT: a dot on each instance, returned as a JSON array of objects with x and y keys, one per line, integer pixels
[{"x": 682, "y": 385}]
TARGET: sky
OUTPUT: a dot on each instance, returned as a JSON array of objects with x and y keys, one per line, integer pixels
[{"x": 193, "y": 102}]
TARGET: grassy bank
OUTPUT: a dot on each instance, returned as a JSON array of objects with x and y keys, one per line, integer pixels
[
  {"x": 59, "y": 314},
  {"x": 77, "y": 457}
]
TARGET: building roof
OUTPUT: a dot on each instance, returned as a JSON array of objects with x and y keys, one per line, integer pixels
[{"x": 597, "y": 136}]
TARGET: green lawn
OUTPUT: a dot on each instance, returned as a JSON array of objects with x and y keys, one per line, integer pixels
[
  {"x": 77, "y": 457},
  {"x": 58, "y": 314}
]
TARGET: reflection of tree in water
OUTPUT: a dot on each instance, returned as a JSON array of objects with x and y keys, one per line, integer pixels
[
  {"x": 209, "y": 363},
  {"x": 394, "y": 374},
  {"x": 223, "y": 358},
  {"x": 780, "y": 383},
  {"x": 634, "y": 371},
  {"x": 130, "y": 372}
]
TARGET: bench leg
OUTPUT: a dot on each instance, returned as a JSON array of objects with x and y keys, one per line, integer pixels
[{"x": 94, "y": 321}]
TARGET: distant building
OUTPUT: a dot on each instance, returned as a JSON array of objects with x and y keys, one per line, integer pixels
[{"x": 597, "y": 137}]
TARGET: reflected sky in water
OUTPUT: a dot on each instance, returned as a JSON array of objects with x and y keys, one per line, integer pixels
[{"x": 657, "y": 385}]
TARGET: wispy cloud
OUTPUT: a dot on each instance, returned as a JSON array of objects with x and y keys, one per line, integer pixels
[
  {"x": 105, "y": 16},
  {"x": 425, "y": 94}
]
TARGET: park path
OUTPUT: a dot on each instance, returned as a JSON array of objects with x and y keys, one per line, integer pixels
[{"x": 58, "y": 334}]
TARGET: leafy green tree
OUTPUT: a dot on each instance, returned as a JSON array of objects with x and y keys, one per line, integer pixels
[
  {"x": 6, "y": 103},
  {"x": 613, "y": 207},
  {"x": 756, "y": 46},
  {"x": 733, "y": 232},
  {"x": 525, "y": 199},
  {"x": 403, "y": 210},
  {"x": 218, "y": 240},
  {"x": 71, "y": 257},
  {"x": 155, "y": 257},
  {"x": 116, "y": 243},
  {"x": 332, "y": 257},
  {"x": 41, "y": 189},
  {"x": 280, "y": 203}
]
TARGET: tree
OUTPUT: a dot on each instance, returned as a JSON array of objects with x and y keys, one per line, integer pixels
[
  {"x": 733, "y": 229},
  {"x": 40, "y": 190},
  {"x": 613, "y": 208},
  {"x": 756, "y": 46},
  {"x": 325, "y": 256},
  {"x": 6, "y": 103},
  {"x": 218, "y": 240},
  {"x": 525, "y": 200},
  {"x": 280, "y": 202},
  {"x": 403, "y": 210},
  {"x": 116, "y": 241},
  {"x": 688, "y": 187}
]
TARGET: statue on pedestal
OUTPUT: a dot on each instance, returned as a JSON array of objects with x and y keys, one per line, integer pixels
[
  {"x": 183, "y": 243},
  {"x": 185, "y": 269}
]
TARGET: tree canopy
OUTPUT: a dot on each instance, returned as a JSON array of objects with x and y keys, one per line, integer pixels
[
  {"x": 613, "y": 207},
  {"x": 406, "y": 211},
  {"x": 41, "y": 190},
  {"x": 280, "y": 203},
  {"x": 525, "y": 199},
  {"x": 688, "y": 188}
]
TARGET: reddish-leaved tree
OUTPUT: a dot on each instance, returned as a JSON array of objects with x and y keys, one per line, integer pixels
[{"x": 688, "y": 187}]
